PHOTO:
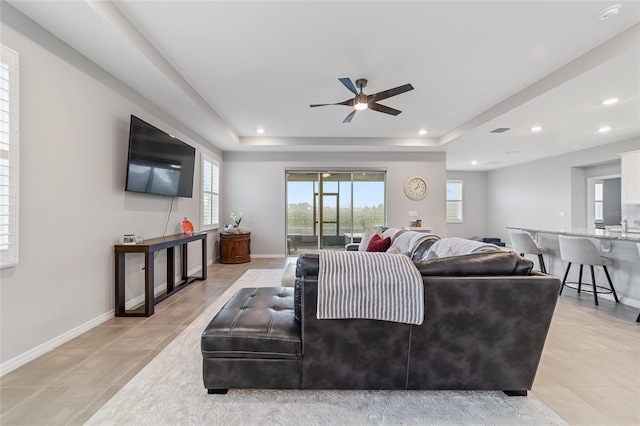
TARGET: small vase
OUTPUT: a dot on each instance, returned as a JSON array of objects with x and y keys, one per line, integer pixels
[{"x": 240, "y": 229}]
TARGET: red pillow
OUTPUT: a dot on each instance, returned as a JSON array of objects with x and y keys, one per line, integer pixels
[{"x": 378, "y": 243}]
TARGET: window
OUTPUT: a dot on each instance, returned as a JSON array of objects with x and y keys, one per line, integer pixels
[
  {"x": 454, "y": 201},
  {"x": 210, "y": 193},
  {"x": 598, "y": 198},
  {"x": 8, "y": 158}
]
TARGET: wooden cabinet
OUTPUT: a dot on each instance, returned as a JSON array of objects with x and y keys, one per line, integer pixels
[{"x": 235, "y": 248}]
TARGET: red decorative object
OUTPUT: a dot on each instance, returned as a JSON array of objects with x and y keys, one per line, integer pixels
[{"x": 187, "y": 226}]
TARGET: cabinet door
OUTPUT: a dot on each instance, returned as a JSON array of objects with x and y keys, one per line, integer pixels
[{"x": 630, "y": 182}]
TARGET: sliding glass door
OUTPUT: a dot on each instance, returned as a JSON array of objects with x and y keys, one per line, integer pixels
[{"x": 328, "y": 209}]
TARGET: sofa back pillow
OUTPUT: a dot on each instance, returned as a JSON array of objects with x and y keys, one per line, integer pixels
[
  {"x": 378, "y": 243},
  {"x": 498, "y": 263},
  {"x": 366, "y": 239}
]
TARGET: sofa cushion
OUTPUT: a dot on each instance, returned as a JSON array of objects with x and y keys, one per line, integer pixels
[
  {"x": 378, "y": 243},
  {"x": 496, "y": 263}
]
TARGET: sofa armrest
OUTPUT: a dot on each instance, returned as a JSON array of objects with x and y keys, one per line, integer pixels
[
  {"x": 307, "y": 264},
  {"x": 482, "y": 332},
  {"x": 352, "y": 247}
]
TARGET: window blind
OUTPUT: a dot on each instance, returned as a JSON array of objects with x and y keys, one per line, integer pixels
[
  {"x": 210, "y": 193},
  {"x": 454, "y": 201},
  {"x": 8, "y": 157},
  {"x": 599, "y": 201}
]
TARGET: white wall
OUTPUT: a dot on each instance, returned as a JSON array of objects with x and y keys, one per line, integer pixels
[
  {"x": 254, "y": 184},
  {"x": 73, "y": 148},
  {"x": 474, "y": 205}
]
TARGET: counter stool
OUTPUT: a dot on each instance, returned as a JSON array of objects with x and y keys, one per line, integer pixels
[
  {"x": 523, "y": 243},
  {"x": 584, "y": 251}
]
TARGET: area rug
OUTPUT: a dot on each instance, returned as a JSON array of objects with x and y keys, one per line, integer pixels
[{"x": 169, "y": 391}]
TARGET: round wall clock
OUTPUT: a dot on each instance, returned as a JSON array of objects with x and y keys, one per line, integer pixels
[{"x": 416, "y": 188}]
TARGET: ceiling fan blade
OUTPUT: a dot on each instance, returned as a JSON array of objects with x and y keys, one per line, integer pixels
[
  {"x": 383, "y": 108},
  {"x": 349, "y": 85},
  {"x": 348, "y": 118},
  {"x": 391, "y": 92},
  {"x": 348, "y": 102}
]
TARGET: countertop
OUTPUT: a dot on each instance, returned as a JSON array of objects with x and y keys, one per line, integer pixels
[{"x": 604, "y": 234}]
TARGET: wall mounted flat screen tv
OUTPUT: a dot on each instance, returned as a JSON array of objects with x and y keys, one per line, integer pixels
[{"x": 158, "y": 163}]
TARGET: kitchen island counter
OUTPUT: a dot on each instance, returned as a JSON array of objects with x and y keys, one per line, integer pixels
[
  {"x": 622, "y": 250},
  {"x": 606, "y": 234}
]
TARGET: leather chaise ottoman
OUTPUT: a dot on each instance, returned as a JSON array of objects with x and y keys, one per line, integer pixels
[{"x": 253, "y": 342}]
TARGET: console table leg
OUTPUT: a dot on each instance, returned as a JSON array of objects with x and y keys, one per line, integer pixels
[
  {"x": 171, "y": 269},
  {"x": 204, "y": 258},
  {"x": 184, "y": 258},
  {"x": 149, "y": 301},
  {"x": 120, "y": 299}
]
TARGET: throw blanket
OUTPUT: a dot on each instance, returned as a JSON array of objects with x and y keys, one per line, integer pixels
[
  {"x": 407, "y": 242},
  {"x": 365, "y": 285},
  {"x": 453, "y": 246}
]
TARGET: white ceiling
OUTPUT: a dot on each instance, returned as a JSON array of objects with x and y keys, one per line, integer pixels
[{"x": 225, "y": 68}]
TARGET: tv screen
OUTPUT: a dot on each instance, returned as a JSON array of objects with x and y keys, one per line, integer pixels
[{"x": 158, "y": 163}]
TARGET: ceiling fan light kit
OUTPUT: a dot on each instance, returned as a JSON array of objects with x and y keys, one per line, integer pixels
[{"x": 361, "y": 101}]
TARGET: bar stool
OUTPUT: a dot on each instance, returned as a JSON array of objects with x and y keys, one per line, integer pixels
[
  {"x": 523, "y": 243},
  {"x": 584, "y": 251}
]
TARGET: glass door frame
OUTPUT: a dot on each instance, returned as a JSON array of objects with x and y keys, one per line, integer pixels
[{"x": 319, "y": 193}]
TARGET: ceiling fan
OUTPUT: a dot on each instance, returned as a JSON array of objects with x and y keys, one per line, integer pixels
[{"x": 362, "y": 101}]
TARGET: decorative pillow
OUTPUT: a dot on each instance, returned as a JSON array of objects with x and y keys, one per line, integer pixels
[
  {"x": 378, "y": 243},
  {"x": 366, "y": 238}
]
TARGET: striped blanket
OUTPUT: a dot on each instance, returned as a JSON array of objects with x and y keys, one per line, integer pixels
[{"x": 365, "y": 285}]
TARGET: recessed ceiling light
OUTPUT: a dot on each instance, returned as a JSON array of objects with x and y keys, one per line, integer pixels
[
  {"x": 604, "y": 129},
  {"x": 422, "y": 132},
  {"x": 610, "y": 101},
  {"x": 609, "y": 12},
  {"x": 536, "y": 128},
  {"x": 260, "y": 130},
  {"x": 474, "y": 162},
  {"x": 513, "y": 152}
]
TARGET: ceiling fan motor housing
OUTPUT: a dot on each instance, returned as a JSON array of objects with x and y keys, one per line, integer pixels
[{"x": 361, "y": 83}]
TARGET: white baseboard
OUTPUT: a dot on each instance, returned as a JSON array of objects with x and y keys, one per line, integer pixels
[
  {"x": 34, "y": 353},
  {"x": 268, "y": 256},
  {"x": 31, "y": 354},
  {"x": 624, "y": 300}
]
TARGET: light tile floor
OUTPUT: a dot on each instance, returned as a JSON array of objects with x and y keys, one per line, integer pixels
[{"x": 589, "y": 373}]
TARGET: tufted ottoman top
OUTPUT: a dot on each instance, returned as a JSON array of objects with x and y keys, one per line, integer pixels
[{"x": 254, "y": 323}]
